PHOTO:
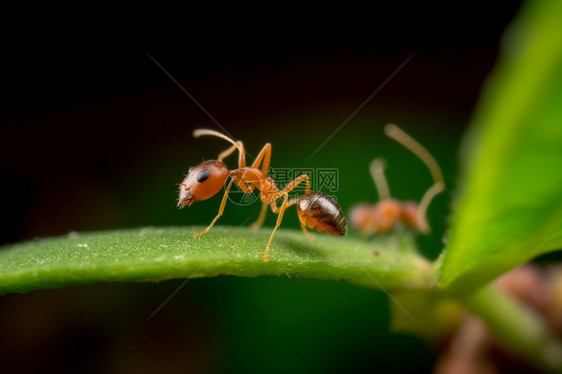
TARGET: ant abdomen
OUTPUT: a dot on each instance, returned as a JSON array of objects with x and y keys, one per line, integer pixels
[{"x": 321, "y": 212}]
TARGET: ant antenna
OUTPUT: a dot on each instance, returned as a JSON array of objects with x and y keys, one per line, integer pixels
[
  {"x": 242, "y": 156},
  {"x": 396, "y": 133},
  {"x": 424, "y": 204},
  {"x": 377, "y": 172},
  {"x": 201, "y": 132}
]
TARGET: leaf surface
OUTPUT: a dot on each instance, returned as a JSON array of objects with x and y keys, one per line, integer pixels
[
  {"x": 153, "y": 254},
  {"x": 511, "y": 207}
]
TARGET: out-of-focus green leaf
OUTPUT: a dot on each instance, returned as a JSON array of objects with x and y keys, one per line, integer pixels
[
  {"x": 510, "y": 209},
  {"x": 434, "y": 316},
  {"x": 155, "y": 254}
]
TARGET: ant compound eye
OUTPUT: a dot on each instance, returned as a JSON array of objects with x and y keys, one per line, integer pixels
[{"x": 203, "y": 175}]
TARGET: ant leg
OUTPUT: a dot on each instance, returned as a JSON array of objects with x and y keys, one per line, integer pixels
[
  {"x": 377, "y": 172},
  {"x": 279, "y": 219},
  {"x": 290, "y": 186},
  {"x": 221, "y": 210},
  {"x": 244, "y": 186},
  {"x": 308, "y": 235},
  {"x": 274, "y": 207},
  {"x": 307, "y": 186},
  {"x": 421, "y": 218},
  {"x": 261, "y": 218},
  {"x": 286, "y": 191},
  {"x": 249, "y": 189},
  {"x": 280, "y": 210},
  {"x": 265, "y": 156},
  {"x": 303, "y": 227}
]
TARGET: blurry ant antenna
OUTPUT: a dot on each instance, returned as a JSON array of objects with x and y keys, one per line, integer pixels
[
  {"x": 396, "y": 133},
  {"x": 377, "y": 172},
  {"x": 424, "y": 204}
]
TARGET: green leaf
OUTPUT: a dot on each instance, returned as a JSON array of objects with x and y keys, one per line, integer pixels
[
  {"x": 511, "y": 208},
  {"x": 435, "y": 316},
  {"x": 154, "y": 254}
]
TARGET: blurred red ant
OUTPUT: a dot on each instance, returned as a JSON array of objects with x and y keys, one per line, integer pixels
[
  {"x": 316, "y": 210},
  {"x": 389, "y": 213}
]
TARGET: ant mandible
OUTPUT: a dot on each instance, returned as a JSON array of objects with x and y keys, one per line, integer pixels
[
  {"x": 316, "y": 210},
  {"x": 389, "y": 213}
]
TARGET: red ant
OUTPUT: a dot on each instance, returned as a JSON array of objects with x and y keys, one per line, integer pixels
[
  {"x": 316, "y": 210},
  {"x": 389, "y": 213}
]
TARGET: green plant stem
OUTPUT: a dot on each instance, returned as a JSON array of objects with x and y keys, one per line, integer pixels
[{"x": 520, "y": 329}]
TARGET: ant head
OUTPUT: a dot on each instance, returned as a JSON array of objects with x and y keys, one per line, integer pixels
[
  {"x": 361, "y": 215},
  {"x": 410, "y": 216},
  {"x": 202, "y": 182},
  {"x": 387, "y": 214}
]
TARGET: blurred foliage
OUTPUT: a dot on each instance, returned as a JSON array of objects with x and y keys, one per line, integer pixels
[{"x": 510, "y": 208}]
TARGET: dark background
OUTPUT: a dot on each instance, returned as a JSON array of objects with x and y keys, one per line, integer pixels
[{"x": 96, "y": 136}]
